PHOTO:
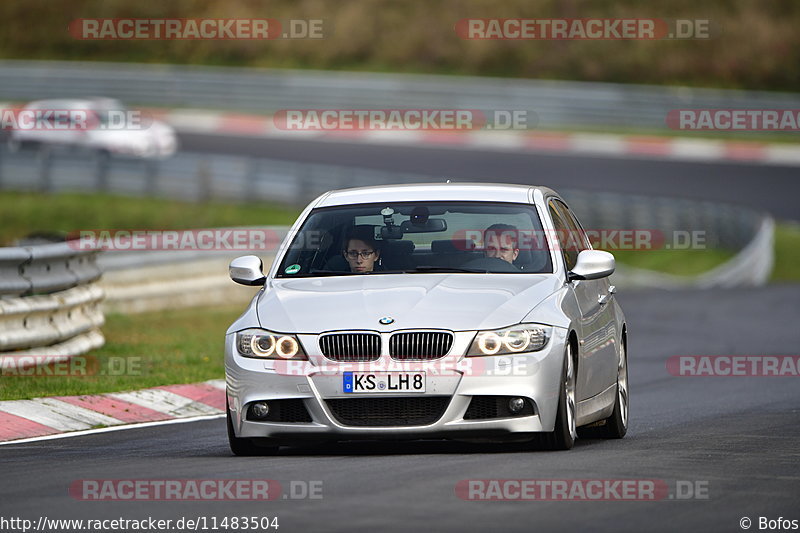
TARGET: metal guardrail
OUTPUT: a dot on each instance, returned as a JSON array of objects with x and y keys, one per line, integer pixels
[
  {"x": 557, "y": 104},
  {"x": 44, "y": 320},
  {"x": 45, "y": 268},
  {"x": 49, "y": 302}
]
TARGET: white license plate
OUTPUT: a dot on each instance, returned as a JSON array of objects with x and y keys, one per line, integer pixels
[{"x": 383, "y": 382}]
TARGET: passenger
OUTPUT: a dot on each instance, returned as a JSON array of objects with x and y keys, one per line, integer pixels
[
  {"x": 501, "y": 241},
  {"x": 361, "y": 250}
]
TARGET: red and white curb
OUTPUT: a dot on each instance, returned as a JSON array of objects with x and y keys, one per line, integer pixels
[
  {"x": 23, "y": 419},
  {"x": 638, "y": 146}
]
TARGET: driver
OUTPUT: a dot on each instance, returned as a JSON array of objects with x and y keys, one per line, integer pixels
[
  {"x": 500, "y": 241},
  {"x": 361, "y": 250}
]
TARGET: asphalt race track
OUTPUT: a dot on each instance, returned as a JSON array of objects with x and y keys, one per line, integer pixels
[
  {"x": 772, "y": 188},
  {"x": 735, "y": 437}
]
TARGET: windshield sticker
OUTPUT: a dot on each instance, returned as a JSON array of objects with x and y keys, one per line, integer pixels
[{"x": 292, "y": 269}]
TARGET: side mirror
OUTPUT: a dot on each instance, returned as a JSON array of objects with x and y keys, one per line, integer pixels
[
  {"x": 247, "y": 270},
  {"x": 592, "y": 264}
]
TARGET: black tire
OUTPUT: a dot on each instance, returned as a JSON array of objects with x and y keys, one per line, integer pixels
[
  {"x": 241, "y": 446},
  {"x": 564, "y": 434},
  {"x": 616, "y": 425}
]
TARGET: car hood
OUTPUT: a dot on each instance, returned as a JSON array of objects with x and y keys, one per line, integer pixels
[{"x": 458, "y": 302}]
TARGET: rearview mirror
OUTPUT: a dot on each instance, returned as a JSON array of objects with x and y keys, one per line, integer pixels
[
  {"x": 247, "y": 270},
  {"x": 431, "y": 225},
  {"x": 592, "y": 264}
]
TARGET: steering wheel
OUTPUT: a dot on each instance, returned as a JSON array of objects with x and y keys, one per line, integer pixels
[{"x": 492, "y": 264}]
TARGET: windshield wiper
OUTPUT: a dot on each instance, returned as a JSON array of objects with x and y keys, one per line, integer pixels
[{"x": 431, "y": 268}]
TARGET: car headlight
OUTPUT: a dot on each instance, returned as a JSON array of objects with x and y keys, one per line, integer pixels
[
  {"x": 516, "y": 339},
  {"x": 262, "y": 344}
]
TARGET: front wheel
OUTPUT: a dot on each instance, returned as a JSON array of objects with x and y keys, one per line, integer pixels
[
  {"x": 564, "y": 434},
  {"x": 616, "y": 425}
]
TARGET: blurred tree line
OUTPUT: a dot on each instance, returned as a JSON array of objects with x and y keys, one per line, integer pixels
[{"x": 753, "y": 44}]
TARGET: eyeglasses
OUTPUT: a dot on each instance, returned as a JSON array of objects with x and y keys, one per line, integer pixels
[{"x": 364, "y": 255}]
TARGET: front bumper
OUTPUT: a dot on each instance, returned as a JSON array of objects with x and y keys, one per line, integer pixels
[{"x": 534, "y": 376}]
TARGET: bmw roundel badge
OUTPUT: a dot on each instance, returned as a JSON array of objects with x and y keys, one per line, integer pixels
[{"x": 386, "y": 320}]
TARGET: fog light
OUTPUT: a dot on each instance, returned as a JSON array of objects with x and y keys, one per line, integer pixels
[
  {"x": 515, "y": 405},
  {"x": 259, "y": 410}
]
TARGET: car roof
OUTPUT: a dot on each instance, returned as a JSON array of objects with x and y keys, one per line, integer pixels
[{"x": 411, "y": 192}]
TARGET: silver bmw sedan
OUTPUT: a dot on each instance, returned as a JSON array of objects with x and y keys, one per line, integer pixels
[{"x": 429, "y": 311}]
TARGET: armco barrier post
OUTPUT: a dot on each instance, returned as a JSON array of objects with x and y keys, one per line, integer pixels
[
  {"x": 151, "y": 176},
  {"x": 45, "y": 159},
  {"x": 103, "y": 164}
]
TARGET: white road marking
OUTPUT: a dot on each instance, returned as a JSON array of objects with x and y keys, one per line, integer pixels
[
  {"x": 166, "y": 402},
  {"x": 57, "y": 414},
  {"x": 112, "y": 428},
  {"x": 597, "y": 143},
  {"x": 697, "y": 149},
  {"x": 783, "y": 154},
  {"x": 216, "y": 383},
  {"x": 496, "y": 140},
  {"x": 194, "y": 120}
]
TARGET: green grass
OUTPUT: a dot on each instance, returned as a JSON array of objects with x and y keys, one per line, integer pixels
[
  {"x": 787, "y": 252},
  {"x": 677, "y": 262},
  {"x": 24, "y": 213},
  {"x": 141, "y": 351},
  {"x": 694, "y": 262}
]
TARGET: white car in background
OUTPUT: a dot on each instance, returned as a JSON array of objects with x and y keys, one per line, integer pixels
[{"x": 111, "y": 129}]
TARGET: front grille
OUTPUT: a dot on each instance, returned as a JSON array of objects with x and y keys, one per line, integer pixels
[
  {"x": 351, "y": 347},
  {"x": 486, "y": 407},
  {"x": 420, "y": 345},
  {"x": 402, "y": 411},
  {"x": 293, "y": 410}
]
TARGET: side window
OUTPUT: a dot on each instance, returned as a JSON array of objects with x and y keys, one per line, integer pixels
[
  {"x": 580, "y": 240},
  {"x": 563, "y": 234}
]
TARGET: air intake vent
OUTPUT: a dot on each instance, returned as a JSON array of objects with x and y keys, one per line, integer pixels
[{"x": 401, "y": 411}]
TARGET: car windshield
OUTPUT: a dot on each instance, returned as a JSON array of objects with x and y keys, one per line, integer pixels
[{"x": 418, "y": 238}]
